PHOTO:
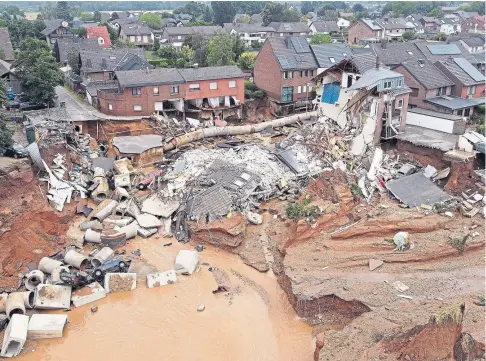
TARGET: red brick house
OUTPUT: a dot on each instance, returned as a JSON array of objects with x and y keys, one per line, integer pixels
[
  {"x": 100, "y": 33},
  {"x": 206, "y": 92},
  {"x": 365, "y": 30},
  {"x": 284, "y": 69},
  {"x": 474, "y": 24}
]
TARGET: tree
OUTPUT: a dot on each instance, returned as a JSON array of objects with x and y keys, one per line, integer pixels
[
  {"x": 200, "y": 45},
  {"x": 306, "y": 7},
  {"x": 80, "y": 32},
  {"x": 274, "y": 11},
  {"x": 154, "y": 21},
  {"x": 97, "y": 16},
  {"x": 477, "y": 6},
  {"x": 2, "y": 54},
  {"x": 331, "y": 15},
  {"x": 5, "y": 134},
  {"x": 37, "y": 70},
  {"x": 435, "y": 13},
  {"x": 245, "y": 19},
  {"x": 246, "y": 60},
  {"x": 409, "y": 35},
  {"x": 21, "y": 29},
  {"x": 224, "y": 11},
  {"x": 220, "y": 50},
  {"x": 198, "y": 23},
  {"x": 361, "y": 15},
  {"x": 403, "y": 8},
  {"x": 73, "y": 60},
  {"x": 185, "y": 58},
  {"x": 291, "y": 15},
  {"x": 86, "y": 16},
  {"x": 165, "y": 15},
  {"x": 156, "y": 44},
  {"x": 321, "y": 39},
  {"x": 239, "y": 45},
  {"x": 113, "y": 33},
  {"x": 3, "y": 93},
  {"x": 63, "y": 11},
  {"x": 439, "y": 37},
  {"x": 358, "y": 8}
]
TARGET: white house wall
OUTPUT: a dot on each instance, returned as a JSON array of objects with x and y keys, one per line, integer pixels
[{"x": 430, "y": 122}]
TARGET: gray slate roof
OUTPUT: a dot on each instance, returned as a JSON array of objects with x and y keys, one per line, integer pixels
[
  {"x": 392, "y": 24},
  {"x": 213, "y": 72},
  {"x": 297, "y": 27},
  {"x": 372, "y": 76},
  {"x": 92, "y": 60},
  {"x": 454, "y": 102},
  {"x": 4, "y": 67},
  {"x": 192, "y": 30},
  {"x": 423, "y": 46},
  {"x": 460, "y": 73},
  {"x": 6, "y": 45},
  {"x": 323, "y": 26},
  {"x": 364, "y": 62},
  {"x": 428, "y": 75},
  {"x": 156, "y": 76},
  {"x": 396, "y": 52},
  {"x": 480, "y": 58},
  {"x": 135, "y": 29},
  {"x": 247, "y": 28},
  {"x": 372, "y": 24},
  {"x": 51, "y": 25},
  {"x": 64, "y": 45},
  {"x": 323, "y": 52},
  {"x": 288, "y": 57}
]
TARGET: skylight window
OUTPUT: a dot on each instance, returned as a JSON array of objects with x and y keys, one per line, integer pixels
[
  {"x": 409, "y": 52},
  {"x": 332, "y": 60}
]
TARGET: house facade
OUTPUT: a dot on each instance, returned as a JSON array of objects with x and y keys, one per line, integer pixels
[
  {"x": 138, "y": 34},
  {"x": 176, "y": 36},
  {"x": 290, "y": 29},
  {"x": 450, "y": 26},
  {"x": 284, "y": 69},
  {"x": 100, "y": 33},
  {"x": 205, "y": 92},
  {"x": 56, "y": 29},
  {"x": 393, "y": 29},
  {"x": 365, "y": 30},
  {"x": 252, "y": 34}
]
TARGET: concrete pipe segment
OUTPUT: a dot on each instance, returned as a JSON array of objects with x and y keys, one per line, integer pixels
[
  {"x": 29, "y": 298},
  {"x": 34, "y": 278},
  {"x": 75, "y": 259},
  {"x": 47, "y": 264},
  {"x": 92, "y": 236},
  {"x": 56, "y": 273},
  {"x": 15, "y": 304},
  {"x": 3, "y": 302},
  {"x": 130, "y": 230},
  {"x": 102, "y": 256}
]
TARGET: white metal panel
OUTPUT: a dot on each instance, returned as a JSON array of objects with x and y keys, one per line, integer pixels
[
  {"x": 159, "y": 106},
  {"x": 430, "y": 122}
]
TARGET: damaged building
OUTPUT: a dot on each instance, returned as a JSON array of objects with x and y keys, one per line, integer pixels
[{"x": 206, "y": 93}]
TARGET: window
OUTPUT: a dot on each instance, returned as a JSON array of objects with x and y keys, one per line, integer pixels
[
  {"x": 300, "y": 74},
  {"x": 459, "y": 112},
  {"x": 136, "y": 91},
  {"x": 232, "y": 84},
  {"x": 306, "y": 73},
  {"x": 471, "y": 90},
  {"x": 288, "y": 75},
  {"x": 174, "y": 89},
  {"x": 156, "y": 91},
  {"x": 194, "y": 87},
  {"x": 332, "y": 60},
  {"x": 179, "y": 37},
  {"x": 399, "y": 82},
  {"x": 137, "y": 108},
  {"x": 467, "y": 112},
  {"x": 304, "y": 89},
  {"x": 415, "y": 92},
  {"x": 442, "y": 91},
  {"x": 110, "y": 106},
  {"x": 287, "y": 94},
  {"x": 400, "y": 104},
  {"x": 213, "y": 85},
  {"x": 311, "y": 73},
  {"x": 299, "y": 89},
  {"x": 281, "y": 34},
  {"x": 387, "y": 84}
]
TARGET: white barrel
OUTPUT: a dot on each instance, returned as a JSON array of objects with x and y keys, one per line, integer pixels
[
  {"x": 34, "y": 278},
  {"x": 47, "y": 264},
  {"x": 15, "y": 304},
  {"x": 102, "y": 256},
  {"x": 75, "y": 259},
  {"x": 56, "y": 273},
  {"x": 92, "y": 236}
]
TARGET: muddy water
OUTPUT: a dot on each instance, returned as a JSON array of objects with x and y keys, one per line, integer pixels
[{"x": 256, "y": 323}]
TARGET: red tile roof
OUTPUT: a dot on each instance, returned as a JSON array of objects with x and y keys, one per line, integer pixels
[{"x": 96, "y": 32}]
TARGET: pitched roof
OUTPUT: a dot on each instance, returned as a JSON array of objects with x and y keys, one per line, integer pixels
[
  {"x": 96, "y": 32},
  {"x": 132, "y": 20},
  {"x": 425, "y": 47},
  {"x": 6, "y": 45},
  {"x": 192, "y": 30},
  {"x": 390, "y": 24},
  {"x": 462, "y": 70},
  {"x": 4, "y": 67},
  {"x": 427, "y": 74},
  {"x": 213, "y": 72},
  {"x": 323, "y": 26},
  {"x": 247, "y": 28},
  {"x": 454, "y": 103},
  {"x": 292, "y": 52},
  {"x": 466, "y": 14},
  {"x": 364, "y": 62},
  {"x": 107, "y": 59},
  {"x": 372, "y": 24},
  {"x": 64, "y": 45},
  {"x": 156, "y": 76},
  {"x": 296, "y": 27},
  {"x": 135, "y": 29},
  {"x": 480, "y": 58},
  {"x": 372, "y": 76},
  {"x": 396, "y": 52},
  {"x": 51, "y": 25},
  {"x": 324, "y": 52},
  {"x": 473, "y": 41},
  {"x": 429, "y": 19}
]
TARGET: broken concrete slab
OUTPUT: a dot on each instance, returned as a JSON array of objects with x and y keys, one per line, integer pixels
[
  {"x": 375, "y": 263},
  {"x": 46, "y": 326},
  {"x": 120, "y": 282},
  {"x": 15, "y": 336},
  {"x": 146, "y": 232},
  {"x": 122, "y": 180},
  {"x": 186, "y": 262},
  {"x": 118, "y": 221},
  {"x": 88, "y": 294},
  {"x": 161, "y": 278},
  {"x": 254, "y": 218},
  {"x": 147, "y": 220},
  {"x": 157, "y": 207},
  {"x": 400, "y": 286},
  {"x": 50, "y": 297}
]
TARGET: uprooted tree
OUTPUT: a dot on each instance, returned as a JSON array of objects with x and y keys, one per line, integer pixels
[{"x": 37, "y": 70}]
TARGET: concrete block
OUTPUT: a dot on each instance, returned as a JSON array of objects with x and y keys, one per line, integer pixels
[
  {"x": 119, "y": 282},
  {"x": 147, "y": 220},
  {"x": 186, "y": 262},
  {"x": 90, "y": 293},
  {"x": 15, "y": 336},
  {"x": 50, "y": 297},
  {"x": 146, "y": 232},
  {"x": 161, "y": 278},
  {"x": 3, "y": 301},
  {"x": 46, "y": 326}
]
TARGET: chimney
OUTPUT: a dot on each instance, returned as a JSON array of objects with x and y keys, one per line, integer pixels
[
  {"x": 383, "y": 43},
  {"x": 377, "y": 62}
]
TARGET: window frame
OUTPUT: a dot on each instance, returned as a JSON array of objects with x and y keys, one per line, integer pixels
[
  {"x": 195, "y": 89},
  {"x": 137, "y": 105},
  {"x": 136, "y": 91},
  {"x": 175, "y": 88},
  {"x": 332, "y": 60},
  {"x": 387, "y": 82},
  {"x": 400, "y": 103},
  {"x": 213, "y": 85},
  {"x": 232, "y": 84},
  {"x": 156, "y": 90}
]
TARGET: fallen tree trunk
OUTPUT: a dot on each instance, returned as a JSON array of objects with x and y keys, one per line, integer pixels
[{"x": 235, "y": 130}]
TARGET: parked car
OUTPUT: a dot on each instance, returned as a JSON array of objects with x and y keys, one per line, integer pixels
[
  {"x": 16, "y": 151},
  {"x": 32, "y": 106},
  {"x": 114, "y": 265},
  {"x": 13, "y": 105}
]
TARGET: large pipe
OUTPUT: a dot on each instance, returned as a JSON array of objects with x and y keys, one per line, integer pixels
[
  {"x": 76, "y": 259},
  {"x": 92, "y": 236},
  {"x": 15, "y": 304},
  {"x": 29, "y": 298},
  {"x": 56, "y": 273},
  {"x": 47, "y": 264},
  {"x": 102, "y": 256},
  {"x": 34, "y": 278},
  {"x": 3, "y": 302},
  {"x": 235, "y": 130},
  {"x": 130, "y": 230}
]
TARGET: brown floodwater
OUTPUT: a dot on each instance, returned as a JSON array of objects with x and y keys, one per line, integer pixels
[{"x": 255, "y": 323}]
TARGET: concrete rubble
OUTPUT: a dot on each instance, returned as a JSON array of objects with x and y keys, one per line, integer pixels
[
  {"x": 46, "y": 326},
  {"x": 15, "y": 336},
  {"x": 161, "y": 278},
  {"x": 88, "y": 294}
]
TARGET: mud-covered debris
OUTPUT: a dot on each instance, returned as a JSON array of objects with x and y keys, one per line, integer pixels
[
  {"x": 254, "y": 218},
  {"x": 401, "y": 241},
  {"x": 375, "y": 263},
  {"x": 201, "y": 308}
]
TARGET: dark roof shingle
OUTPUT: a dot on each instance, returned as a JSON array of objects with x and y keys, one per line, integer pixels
[
  {"x": 288, "y": 57},
  {"x": 396, "y": 52},
  {"x": 108, "y": 59},
  {"x": 427, "y": 74},
  {"x": 324, "y": 52},
  {"x": 297, "y": 27},
  {"x": 156, "y": 76},
  {"x": 6, "y": 45},
  {"x": 213, "y": 72},
  {"x": 64, "y": 45},
  {"x": 323, "y": 26}
]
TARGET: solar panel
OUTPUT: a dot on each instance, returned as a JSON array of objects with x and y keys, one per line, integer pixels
[
  {"x": 469, "y": 69},
  {"x": 444, "y": 49},
  {"x": 284, "y": 61},
  {"x": 300, "y": 44}
]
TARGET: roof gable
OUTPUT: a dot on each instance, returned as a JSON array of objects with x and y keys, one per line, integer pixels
[
  {"x": 6, "y": 45},
  {"x": 292, "y": 52}
]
